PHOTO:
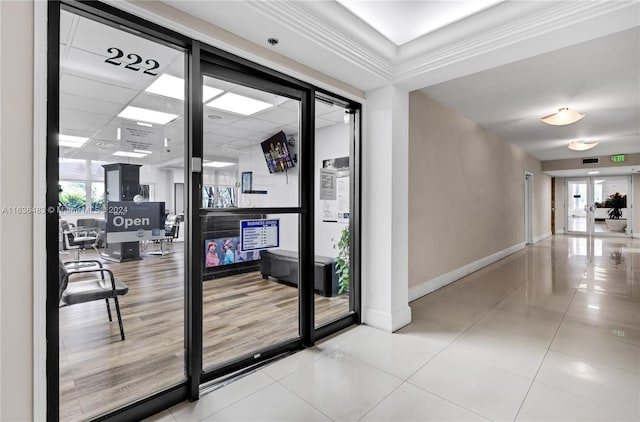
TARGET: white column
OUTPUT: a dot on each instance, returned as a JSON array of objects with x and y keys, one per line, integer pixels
[{"x": 385, "y": 290}]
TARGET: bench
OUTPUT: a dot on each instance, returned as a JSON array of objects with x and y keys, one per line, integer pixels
[{"x": 283, "y": 265}]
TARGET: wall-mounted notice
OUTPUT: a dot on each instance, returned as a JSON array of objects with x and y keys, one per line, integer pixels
[
  {"x": 327, "y": 184},
  {"x": 259, "y": 234}
]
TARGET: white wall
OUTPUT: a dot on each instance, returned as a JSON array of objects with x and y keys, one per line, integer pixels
[
  {"x": 16, "y": 190},
  {"x": 384, "y": 209},
  {"x": 636, "y": 209},
  {"x": 331, "y": 142},
  {"x": 282, "y": 191},
  {"x": 560, "y": 204},
  {"x": 466, "y": 196}
]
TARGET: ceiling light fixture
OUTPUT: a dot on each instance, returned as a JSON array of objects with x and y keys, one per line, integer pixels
[
  {"x": 593, "y": 172},
  {"x": 217, "y": 164},
  {"x": 239, "y": 104},
  {"x": 146, "y": 115},
  {"x": 129, "y": 154},
  {"x": 173, "y": 87},
  {"x": 142, "y": 151},
  {"x": 144, "y": 124},
  {"x": 71, "y": 141},
  {"x": 581, "y": 146},
  {"x": 564, "y": 116}
]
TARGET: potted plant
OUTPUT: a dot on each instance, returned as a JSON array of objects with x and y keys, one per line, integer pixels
[
  {"x": 342, "y": 261},
  {"x": 616, "y": 203}
]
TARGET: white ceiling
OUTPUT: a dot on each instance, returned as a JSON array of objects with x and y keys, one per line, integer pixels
[
  {"x": 93, "y": 93},
  {"x": 504, "y": 66},
  {"x": 403, "y": 21}
]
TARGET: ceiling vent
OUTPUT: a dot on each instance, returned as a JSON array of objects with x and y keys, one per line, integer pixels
[{"x": 591, "y": 160}]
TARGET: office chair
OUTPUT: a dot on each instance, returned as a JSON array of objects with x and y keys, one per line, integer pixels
[{"x": 90, "y": 289}]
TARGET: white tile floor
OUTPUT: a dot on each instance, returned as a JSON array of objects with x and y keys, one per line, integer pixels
[{"x": 550, "y": 333}]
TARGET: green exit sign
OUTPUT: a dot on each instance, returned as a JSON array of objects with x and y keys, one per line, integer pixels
[{"x": 619, "y": 158}]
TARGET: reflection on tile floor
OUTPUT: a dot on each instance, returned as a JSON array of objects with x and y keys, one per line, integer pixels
[{"x": 550, "y": 333}]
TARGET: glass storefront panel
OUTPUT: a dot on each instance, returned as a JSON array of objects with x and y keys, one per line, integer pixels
[
  {"x": 250, "y": 296},
  {"x": 250, "y": 161},
  {"x": 121, "y": 152},
  {"x": 334, "y": 126}
]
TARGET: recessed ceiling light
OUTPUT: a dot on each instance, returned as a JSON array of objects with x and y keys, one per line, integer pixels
[
  {"x": 129, "y": 154},
  {"x": 146, "y": 115},
  {"x": 564, "y": 116},
  {"x": 239, "y": 104},
  {"x": 217, "y": 164},
  {"x": 71, "y": 141},
  {"x": 142, "y": 151},
  {"x": 173, "y": 87},
  {"x": 593, "y": 172},
  {"x": 581, "y": 146}
]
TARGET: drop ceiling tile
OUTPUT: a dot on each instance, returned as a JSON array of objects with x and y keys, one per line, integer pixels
[
  {"x": 81, "y": 122},
  {"x": 84, "y": 87},
  {"x": 280, "y": 116},
  {"x": 257, "y": 125},
  {"x": 159, "y": 103},
  {"x": 95, "y": 105}
]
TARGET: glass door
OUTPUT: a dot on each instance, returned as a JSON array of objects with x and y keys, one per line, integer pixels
[
  {"x": 121, "y": 150},
  {"x": 251, "y": 216},
  {"x": 598, "y": 205},
  {"x": 578, "y": 210}
]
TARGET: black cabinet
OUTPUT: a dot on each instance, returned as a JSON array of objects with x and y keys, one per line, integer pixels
[{"x": 122, "y": 183}]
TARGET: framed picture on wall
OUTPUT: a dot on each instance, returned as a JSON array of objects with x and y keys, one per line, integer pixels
[{"x": 247, "y": 177}]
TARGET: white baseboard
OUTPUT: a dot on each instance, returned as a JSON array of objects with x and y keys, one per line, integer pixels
[
  {"x": 542, "y": 237},
  {"x": 386, "y": 321},
  {"x": 559, "y": 231},
  {"x": 434, "y": 284}
]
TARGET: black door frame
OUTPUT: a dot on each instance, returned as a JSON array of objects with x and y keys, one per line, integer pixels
[
  {"x": 195, "y": 52},
  {"x": 215, "y": 66}
]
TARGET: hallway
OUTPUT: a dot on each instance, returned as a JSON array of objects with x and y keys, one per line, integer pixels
[{"x": 549, "y": 333}]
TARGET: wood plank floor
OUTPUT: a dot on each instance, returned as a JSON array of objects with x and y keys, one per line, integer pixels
[{"x": 243, "y": 313}]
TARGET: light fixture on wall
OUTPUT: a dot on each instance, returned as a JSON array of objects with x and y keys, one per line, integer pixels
[
  {"x": 581, "y": 146},
  {"x": 564, "y": 116}
]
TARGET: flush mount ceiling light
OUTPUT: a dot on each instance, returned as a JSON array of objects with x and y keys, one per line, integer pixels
[
  {"x": 146, "y": 115},
  {"x": 564, "y": 116},
  {"x": 71, "y": 141},
  {"x": 173, "y": 87},
  {"x": 239, "y": 104},
  {"x": 581, "y": 146},
  {"x": 129, "y": 154},
  {"x": 217, "y": 164}
]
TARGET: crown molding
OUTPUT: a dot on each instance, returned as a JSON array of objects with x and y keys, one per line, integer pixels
[
  {"x": 560, "y": 16},
  {"x": 293, "y": 16}
]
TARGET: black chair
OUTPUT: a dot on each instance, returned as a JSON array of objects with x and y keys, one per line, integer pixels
[{"x": 92, "y": 288}]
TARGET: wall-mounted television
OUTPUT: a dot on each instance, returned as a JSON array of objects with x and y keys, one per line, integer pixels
[{"x": 276, "y": 153}]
